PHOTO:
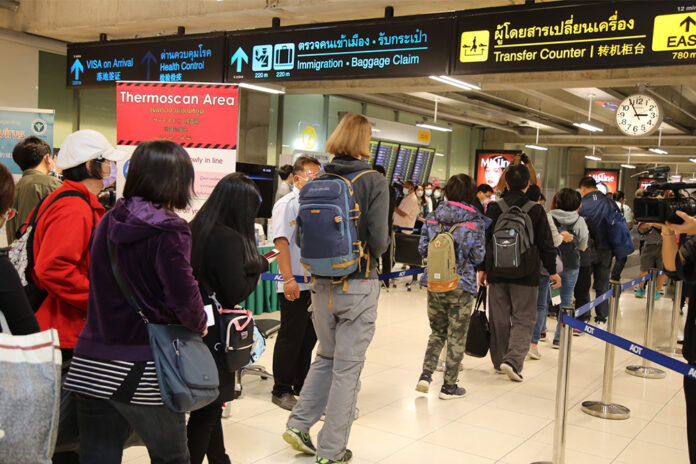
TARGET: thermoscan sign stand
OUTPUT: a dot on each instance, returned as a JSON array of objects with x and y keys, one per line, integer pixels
[{"x": 202, "y": 118}]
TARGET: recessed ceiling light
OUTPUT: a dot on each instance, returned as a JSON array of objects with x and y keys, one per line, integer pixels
[
  {"x": 589, "y": 125},
  {"x": 455, "y": 82}
]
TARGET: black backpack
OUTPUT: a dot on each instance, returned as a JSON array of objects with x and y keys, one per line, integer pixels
[
  {"x": 569, "y": 251},
  {"x": 512, "y": 248}
]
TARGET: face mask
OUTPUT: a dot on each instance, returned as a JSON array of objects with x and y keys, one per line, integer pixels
[
  {"x": 437, "y": 194},
  {"x": 111, "y": 178},
  {"x": 406, "y": 191},
  {"x": 428, "y": 192},
  {"x": 486, "y": 201},
  {"x": 419, "y": 193}
]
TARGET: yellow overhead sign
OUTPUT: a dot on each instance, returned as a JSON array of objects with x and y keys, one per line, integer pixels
[
  {"x": 424, "y": 136},
  {"x": 309, "y": 137},
  {"x": 674, "y": 32},
  {"x": 474, "y": 46}
]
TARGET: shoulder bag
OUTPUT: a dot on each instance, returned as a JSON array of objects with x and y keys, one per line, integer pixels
[{"x": 478, "y": 335}]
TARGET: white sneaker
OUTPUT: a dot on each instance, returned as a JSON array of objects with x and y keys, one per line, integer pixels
[{"x": 534, "y": 352}]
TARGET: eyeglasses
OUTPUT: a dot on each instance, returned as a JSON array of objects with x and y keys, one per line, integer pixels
[{"x": 10, "y": 214}]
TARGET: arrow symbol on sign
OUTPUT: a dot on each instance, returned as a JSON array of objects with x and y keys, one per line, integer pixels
[
  {"x": 77, "y": 68},
  {"x": 149, "y": 58},
  {"x": 687, "y": 23},
  {"x": 239, "y": 56}
]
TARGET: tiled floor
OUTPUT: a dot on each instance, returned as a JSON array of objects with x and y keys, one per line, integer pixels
[{"x": 499, "y": 421}]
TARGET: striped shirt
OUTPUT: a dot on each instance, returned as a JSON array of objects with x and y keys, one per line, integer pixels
[{"x": 123, "y": 381}]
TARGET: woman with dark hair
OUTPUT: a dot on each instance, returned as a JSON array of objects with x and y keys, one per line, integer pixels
[
  {"x": 449, "y": 309},
  {"x": 13, "y": 302},
  {"x": 227, "y": 265},
  {"x": 113, "y": 371}
]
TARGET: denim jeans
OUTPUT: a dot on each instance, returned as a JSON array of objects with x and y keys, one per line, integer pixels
[
  {"x": 569, "y": 278},
  {"x": 106, "y": 424},
  {"x": 601, "y": 268},
  {"x": 542, "y": 307}
]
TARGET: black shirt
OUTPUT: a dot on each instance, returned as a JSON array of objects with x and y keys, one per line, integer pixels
[
  {"x": 686, "y": 270},
  {"x": 13, "y": 301}
]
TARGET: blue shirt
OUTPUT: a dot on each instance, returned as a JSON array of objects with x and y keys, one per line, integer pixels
[{"x": 284, "y": 215}]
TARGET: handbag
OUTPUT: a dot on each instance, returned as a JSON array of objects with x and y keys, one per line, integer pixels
[
  {"x": 186, "y": 371},
  {"x": 478, "y": 336},
  {"x": 30, "y": 395}
]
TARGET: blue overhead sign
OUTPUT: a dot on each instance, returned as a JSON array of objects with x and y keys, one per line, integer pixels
[
  {"x": 191, "y": 58},
  {"x": 397, "y": 47}
]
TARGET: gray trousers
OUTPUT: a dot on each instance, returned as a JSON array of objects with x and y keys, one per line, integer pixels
[
  {"x": 345, "y": 324},
  {"x": 512, "y": 314}
]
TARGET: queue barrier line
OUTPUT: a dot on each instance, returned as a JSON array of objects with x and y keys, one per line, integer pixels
[
  {"x": 605, "y": 296},
  {"x": 632, "y": 347},
  {"x": 305, "y": 279}
]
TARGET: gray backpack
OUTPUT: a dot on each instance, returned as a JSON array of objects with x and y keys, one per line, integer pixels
[{"x": 514, "y": 252}]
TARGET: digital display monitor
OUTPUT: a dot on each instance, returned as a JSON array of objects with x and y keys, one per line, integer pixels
[
  {"x": 607, "y": 179},
  {"x": 490, "y": 165},
  {"x": 644, "y": 182},
  {"x": 374, "y": 144},
  {"x": 423, "y": 165},
  {"x": 405, "y": 160},
  {"x": 386, "y": 157},
  {"x": 264, "y": 177}
]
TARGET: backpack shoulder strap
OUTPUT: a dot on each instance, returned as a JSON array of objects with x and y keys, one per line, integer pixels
[
  {"x": 453, "y": 228},
  {"x": 504, "y": 207},
  {"x": 527, "y": 207}
]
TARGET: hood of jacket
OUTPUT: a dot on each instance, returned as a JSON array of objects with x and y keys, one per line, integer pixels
[
  {"x": 343, "y": 165},
  {"x": 136, "y": 219},
  {"x": 565, "y": 217},
  {"x": 454, "y": 213}
]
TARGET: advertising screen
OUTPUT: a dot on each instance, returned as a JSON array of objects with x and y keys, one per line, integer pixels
[
  {"x": 404, "y": 163},
  {"x": 490, "y": 165},
  {"x": 423, "y": 165},
  {"x": 607, "y": 179},
  {"x": 643, "y": 182},
  {"x": 264, "y": 178}
]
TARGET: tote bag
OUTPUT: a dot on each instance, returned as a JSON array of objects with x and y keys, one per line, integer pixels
[
  {"x": 478, "y": 336},
  {"x": 29, "y": 396}
]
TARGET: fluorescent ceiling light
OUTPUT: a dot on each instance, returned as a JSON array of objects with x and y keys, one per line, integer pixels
[
  {"x": 593, "y": 158},
  {"x": 439, "y": 154},
  {"x": 693, "y": 160},
  {"x": 659, "y": 151},
  {"x": 434, "y": 127},
  {"x": 589, "y": 125},
  {"x": 261, "y": 88},
  {"x": 536, "y": 147},
  {"x": 628, "y": 166},
  {"x": 455, "y": 82}
]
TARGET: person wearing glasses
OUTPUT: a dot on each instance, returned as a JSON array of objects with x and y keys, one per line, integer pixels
[{"x": 292, "y": 354}]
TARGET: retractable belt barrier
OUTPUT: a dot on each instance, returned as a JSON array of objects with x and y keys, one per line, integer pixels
[{"x": 306, "y": 279}]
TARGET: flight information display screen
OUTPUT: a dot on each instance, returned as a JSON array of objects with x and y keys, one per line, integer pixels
[
  {"x": 423, "y": 165},
  {"x": 374, "y": 144},
  {"x": 404, "y": 163},
  {"x": 386, "y": 157}
]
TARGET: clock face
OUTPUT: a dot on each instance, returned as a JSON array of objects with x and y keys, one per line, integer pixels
[{"x": 639, "y": 115}]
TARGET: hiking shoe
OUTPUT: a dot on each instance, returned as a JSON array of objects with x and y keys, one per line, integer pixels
[
  {"x": 424, "y": 383},
  {"x": 511, "y": 372},
  {"x": 658, "y": 295},
  {"x": 285, "y": 401},
  {"x": 452, "y": 392},
  {"x": 347, "y": 457},
  {"x": 640, "y": 293},
  {"x": 556, "y": 345},
  {"x": 534, "y": 352},
  {"x": 300, "y": 441}
]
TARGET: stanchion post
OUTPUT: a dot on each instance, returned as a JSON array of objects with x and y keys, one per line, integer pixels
[
  {"x": 605, "y": 408},
  {"x": 562, "y": 380},
  {"x": 645, "y": 370},
  {"x": 672, "y": 348}
]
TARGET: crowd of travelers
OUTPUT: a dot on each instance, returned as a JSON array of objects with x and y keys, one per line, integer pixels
[{"x": 474, "y": 239}]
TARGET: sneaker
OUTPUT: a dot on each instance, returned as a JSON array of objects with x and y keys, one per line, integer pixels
[
  {"x": 534, "y": 352},
  {"x": 347, "y": 457},
  {"x": 577, "y": 333},
  {"x": 285, "y": 401},
  {"x": 556, "y": 345},
  {"x": 300, "y": 441},
  {"x": 640, "y": 293},
  {"x": 424, "y": 383},
  {"x": 511, "y": 372},
  {"x": 543, "y": 335},
  {"x": 498, "y": 371},
  {"x": 658, "y": 295},
  {"x": 452, "y": 392}
]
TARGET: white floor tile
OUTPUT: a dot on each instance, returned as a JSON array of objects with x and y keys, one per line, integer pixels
[{"x": 477, "y": 440}]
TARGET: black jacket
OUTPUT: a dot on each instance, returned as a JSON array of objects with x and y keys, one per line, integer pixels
[
  {"x": 542, "y": 239},
  {"x": 686, "y": 270},
  {"x": 372, "y": 194},
  {"x": 223, "y": 273},
  {"x": 13, "y": 300}
]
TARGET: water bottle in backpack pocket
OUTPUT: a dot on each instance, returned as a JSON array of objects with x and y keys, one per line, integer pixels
[
  {"x": 327, "y": 226},
  {"x": 512, "y": 252}
]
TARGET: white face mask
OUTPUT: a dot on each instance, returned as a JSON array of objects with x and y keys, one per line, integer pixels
[
  {"x": 406, "y": 191},
  {"x": 428, "y": 192},
  {"x": 419, "y": 193}
]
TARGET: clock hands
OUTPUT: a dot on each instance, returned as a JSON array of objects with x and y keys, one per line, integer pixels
[{"x": 635, "y": 112}]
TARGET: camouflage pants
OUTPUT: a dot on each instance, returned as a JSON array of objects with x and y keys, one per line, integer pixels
[{"x": 449, "y": 314}]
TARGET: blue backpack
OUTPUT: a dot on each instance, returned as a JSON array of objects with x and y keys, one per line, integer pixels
[
  {"x": 327, "y": 226},
  {"x": 618, "y": 233}
]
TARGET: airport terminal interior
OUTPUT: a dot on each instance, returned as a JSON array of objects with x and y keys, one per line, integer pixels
[{"x": 602, "y": 89}]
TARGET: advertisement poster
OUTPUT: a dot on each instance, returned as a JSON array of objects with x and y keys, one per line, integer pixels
[
  {"x": 16, "y": 124},
  {"x": 202, "y": 118},
  {"x": 644, "y": 182},
  {"x": 607, "y": 179},
  {"x": 491, "y": 164}
]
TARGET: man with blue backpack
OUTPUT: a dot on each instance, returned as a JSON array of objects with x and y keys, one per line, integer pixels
[
  {"x": 613, "y": 238},
  {"x": 342, "y": 231}
]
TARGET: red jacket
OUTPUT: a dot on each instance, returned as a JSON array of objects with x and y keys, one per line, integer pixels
[{"x": 61, "y": 261}]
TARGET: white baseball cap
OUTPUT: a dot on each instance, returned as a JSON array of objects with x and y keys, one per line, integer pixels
[{"x": 84, "y": 145}]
